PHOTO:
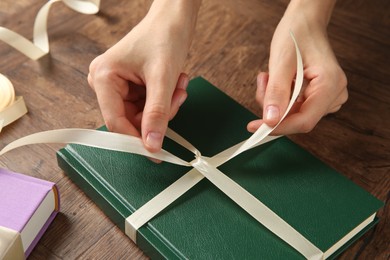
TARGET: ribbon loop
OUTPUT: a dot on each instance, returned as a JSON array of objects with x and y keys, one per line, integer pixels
[
  {"x": 201, "y": 162},
  {"x": 84, "y": 7},
  {"x": 40, "y": 44},
  {"x": 198, "y": 157}
]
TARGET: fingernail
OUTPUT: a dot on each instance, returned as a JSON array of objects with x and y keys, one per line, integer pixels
[
  {"x": 182, "y": 99},
  {"x": 183, "y": 83},
  {"x": 272, "y": 113},
  {"x": 154, "y": 140}
]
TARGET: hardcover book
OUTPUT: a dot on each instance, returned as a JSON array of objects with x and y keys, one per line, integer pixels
[
  {"x": 27, "y": 207},
  {"x": 321, "y": 204}
]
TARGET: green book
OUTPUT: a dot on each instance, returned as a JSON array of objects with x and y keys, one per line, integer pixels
[{"x": 324, "y": 206}]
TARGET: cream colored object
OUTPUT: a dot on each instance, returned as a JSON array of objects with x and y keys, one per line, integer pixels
[
  {"x": 40, "y": 45},
  {"x": 7, "y": 92},
  {"x": 11, "y": 247},
  {"x": 11, "y": 107}
]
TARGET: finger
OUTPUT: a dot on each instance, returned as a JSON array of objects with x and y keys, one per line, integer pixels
[
  {"x": 304, "y": 121},
  {"x": 112, "y": 106},
  {"x": 134, "y": 112},
  {"x": 301, "y": 95},
  {"x": 90, "y": 81},
  {"x": 136, "y": 92},
  {"x": 255, "y": 124},
  {"x": 334, "y": 109},
  {"x": 159, "y": 90},
  {"x": 262, "y": 81},
  {"x": 278, "y": 89},
  {"x": 179, "y": 95},
  {"x": 337, "y": 104}
]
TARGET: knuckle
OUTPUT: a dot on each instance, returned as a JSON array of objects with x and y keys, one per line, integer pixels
[
  {"x": 94, "y": 65},
  {"x": 335, "y": 109},
  {"x": 276, "y": 95},
  {"x": 101, "y": 69},
  {"x": 307, "y": 126},
  {"x": 90, "y": 81},
  {"x": 343, "y": 81},
  {"x": 342, "y": 86},
  {"x": 344, "y": 96},
  {"x": 158, "y": 112},
  {"x": 275, "y": 88},
  {"x": 276, "y": 91},
  {"x": 259, "y": 99}
]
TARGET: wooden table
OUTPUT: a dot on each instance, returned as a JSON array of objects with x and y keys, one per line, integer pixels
[{"x": 230, "y": 46}]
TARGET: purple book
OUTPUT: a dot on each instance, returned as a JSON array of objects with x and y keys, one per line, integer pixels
[{"x": 27, "y": 205}]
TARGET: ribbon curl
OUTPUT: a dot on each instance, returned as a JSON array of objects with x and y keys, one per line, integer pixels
[{"x": 40, "y": 45}]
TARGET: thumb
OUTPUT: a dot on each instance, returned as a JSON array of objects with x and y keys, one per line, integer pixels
[
  {"x": 156, "y": 113},
  {"x": 278, "y": 91}
]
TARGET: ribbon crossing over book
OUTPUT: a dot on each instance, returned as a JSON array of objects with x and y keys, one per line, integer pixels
[
  {"x": 241, "y": 199},
  {"x": 321, "y": 204}
]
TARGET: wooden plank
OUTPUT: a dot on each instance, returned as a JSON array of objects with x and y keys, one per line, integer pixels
[{"x": 230, "y": 46}]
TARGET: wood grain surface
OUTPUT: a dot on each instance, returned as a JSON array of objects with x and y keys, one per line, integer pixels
[{"x": 230, "y": 46}]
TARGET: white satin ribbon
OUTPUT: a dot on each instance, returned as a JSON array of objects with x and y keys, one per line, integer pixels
[
  {"x": 11, "y": 247},
  {"x": 11, "y": 107},
  {"x": 203, "y": 167},
  {"x": 40, "y": 45},
  {"x": 162, "y": 200},
  {"x": 207, "y": 167}
]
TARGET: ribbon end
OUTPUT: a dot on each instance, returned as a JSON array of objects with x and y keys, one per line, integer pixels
[{"x": 131, "y": 230}]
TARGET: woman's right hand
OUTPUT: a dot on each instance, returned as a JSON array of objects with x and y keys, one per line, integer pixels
[{"x": 139, "y": 82}]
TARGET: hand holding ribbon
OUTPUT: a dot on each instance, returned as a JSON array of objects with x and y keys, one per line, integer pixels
[{"x": 203, "y": 167}]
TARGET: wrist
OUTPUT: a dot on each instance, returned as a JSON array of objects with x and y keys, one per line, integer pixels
[
  {"x": 318, "y": 12},
  {"x": 175, "y": 17},
  {"x": 177, "y": 13}
]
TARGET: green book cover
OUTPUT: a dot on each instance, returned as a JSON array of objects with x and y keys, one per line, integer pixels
[{"x": 320, "y": 203}]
